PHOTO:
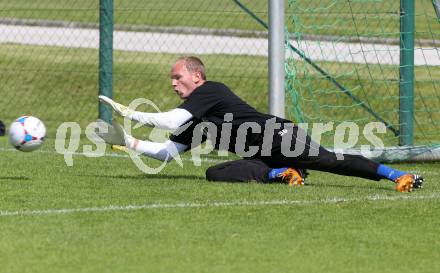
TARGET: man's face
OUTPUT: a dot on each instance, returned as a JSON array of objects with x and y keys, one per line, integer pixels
[{"x": 183, "y": 81}]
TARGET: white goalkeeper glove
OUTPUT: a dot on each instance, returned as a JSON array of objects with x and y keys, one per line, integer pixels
[
  {"x": 115, "y": 133},
  {"x": 122, "y": 110}
]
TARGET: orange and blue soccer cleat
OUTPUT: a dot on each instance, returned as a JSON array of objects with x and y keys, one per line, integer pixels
[
  {"x": 407, "y": 182},
  {"x": 293, "y": 177}
]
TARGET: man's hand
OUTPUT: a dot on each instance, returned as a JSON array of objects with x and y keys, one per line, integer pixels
[
  {"x": 114, "y": 134},
  {"x": 122, "y": 110}
]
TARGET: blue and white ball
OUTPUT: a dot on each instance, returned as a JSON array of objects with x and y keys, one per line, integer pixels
[{"x": 27, "y": 133}]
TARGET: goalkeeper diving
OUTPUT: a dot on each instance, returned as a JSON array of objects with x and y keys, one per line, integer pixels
[{"x": 241, "y": 129}]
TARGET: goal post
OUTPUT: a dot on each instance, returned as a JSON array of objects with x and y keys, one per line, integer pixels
[
  {"x": 105, "y": 56},
  {"x": 406, "y": 86},
  {"x": 276, "y": 58}
]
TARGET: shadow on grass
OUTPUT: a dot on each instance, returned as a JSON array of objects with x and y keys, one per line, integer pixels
[
  {"x": 363, "y": 186},
  {"x": 155, "y": 177},
  {"x": 14, "y": 178},
  {"x": 145, "y": 176}
]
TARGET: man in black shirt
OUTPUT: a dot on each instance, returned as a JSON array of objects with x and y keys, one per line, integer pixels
[{"x": 210, "y": 110}]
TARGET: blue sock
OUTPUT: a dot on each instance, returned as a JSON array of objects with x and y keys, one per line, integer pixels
[
  {"x": 389, "y": 173},
  {"x": 273, "y": 174}
]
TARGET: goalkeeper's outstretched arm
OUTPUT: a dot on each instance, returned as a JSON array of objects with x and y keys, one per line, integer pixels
[
  {"x": 170, "y": 120},
  {"x": 115, "y": 134},
  {"x": 165, "y": 151}
]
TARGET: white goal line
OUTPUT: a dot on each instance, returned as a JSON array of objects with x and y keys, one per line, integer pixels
[{"x": 335, "y": 200}]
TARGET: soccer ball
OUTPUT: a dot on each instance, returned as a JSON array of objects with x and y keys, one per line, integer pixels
[{"x": 27, "y": 133}]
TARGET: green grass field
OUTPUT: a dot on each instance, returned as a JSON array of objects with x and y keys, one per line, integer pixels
[{"x": 104, "y": 215}]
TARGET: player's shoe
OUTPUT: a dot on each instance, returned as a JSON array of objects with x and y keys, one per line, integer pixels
[
  {"x": 407, "y": 182},
  {"x": 293, "y": 177},
  {"x": 115, "y": 134},
  {"x": 122, "y": 110}
]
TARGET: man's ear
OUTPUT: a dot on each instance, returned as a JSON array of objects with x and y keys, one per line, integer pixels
[{"x": 197, "y": 77}]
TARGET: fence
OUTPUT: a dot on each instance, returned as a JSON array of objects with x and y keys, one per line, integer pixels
[
  {"x": 50, "y": 61},
  {"x": 49, "y": 58}
]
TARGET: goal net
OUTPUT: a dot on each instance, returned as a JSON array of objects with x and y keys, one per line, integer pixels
[{"x": 347, "y": 61}]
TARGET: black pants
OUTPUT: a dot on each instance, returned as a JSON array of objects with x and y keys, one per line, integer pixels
[
  {"x": 320, "y": 159},
  {"x": 243, "y": 170}
]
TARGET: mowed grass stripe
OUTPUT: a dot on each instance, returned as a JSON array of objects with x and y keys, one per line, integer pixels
[
  {"x": 111, "y": 154},
  {"x": 333, "y": 200}
]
